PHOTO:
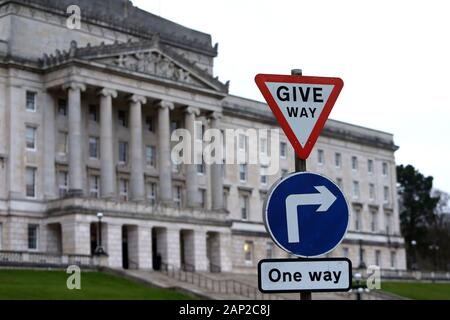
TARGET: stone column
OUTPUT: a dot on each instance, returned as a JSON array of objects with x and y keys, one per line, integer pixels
[
  {"x": 75, "y": 138},
  {"x": 200, "y": 259},
  {"x": 75, "y": 236},
  {"x": 107, "y": 168},
  {"x": 113, "y": 244},
  {"x": 192, "y": 194},
  {"x": 173, "y": 247},
  {"x": 49, "y": 147},
  {"x": 165, "y": 162},
  {"x": 217, "y": 168},
  {"x": 137, "y": 162}
]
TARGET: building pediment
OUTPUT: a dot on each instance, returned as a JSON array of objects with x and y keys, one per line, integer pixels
[{"x": 145, "y": 57}]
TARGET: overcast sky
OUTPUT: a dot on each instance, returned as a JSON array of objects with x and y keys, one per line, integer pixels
[{"x": 394, "y": 58}]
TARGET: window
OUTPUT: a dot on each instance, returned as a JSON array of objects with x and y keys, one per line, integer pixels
[
  {"x": 31, "y": 138},
  {"x": 283, "y": 150},
  {"x": 62, "y": 107},
  {"x": 372, "y": 191},
  {"x": 173, "y": 126},
  {"x": 93, "y": 113},
  {"x": 177, "y": 196},
  {"x": 269, "y": 250},
  {"x": 263, "y": 145},
  {"x": 385, "y": 169},
  {"x": 378, "y": 258},
  {"x": 320, "y": 158},
  {"x": 370, "y": 166},
  {"x": 63, "y": 183},
  {"x": 388, "y": 223},
  {"x": 386, "y": 194},
  {"x": 248, "y": 252},
  {"x": 123, "y": 119},
  {"x": 63, "y": 139},
  {"x": 345, "y": 252},
  {"x": 202, "y": 198},
  {"x": 123, "y": 189},
  {"x": 123, "y": 152},
  {"x": 264, "y": 177},
  {"x": 337, "y": 160},
  {"x": 393, "y": 259},
  {"x": 243, "y": 172},
  {"x": 355, "y": 189},
  {"x": 243, "y": 142},
  {"x": 31, "y": 101},
  {"x": 373, "y": 221},
  {"x": 151, "y": 192},
  {"x": 94, "y": 186},
  {"x": 31, "y": 182},
  {"x": 150, "y": 156},
  {"x": 200, "y": 163},
  {"x": 199, "y": 129},
  {"x": 362, "y": 257},
  {"x": 243, "y": 202},
  {"x": 93, "y": 148},
  {"x": 354, "y": 163},
  {"x": 150, "y": 123},
  {"x": 358, "y": 220},
  {"x": 33, "y": 236},
  {"x": 225, "y": 200},
  {"x": 340, "y": 183}
]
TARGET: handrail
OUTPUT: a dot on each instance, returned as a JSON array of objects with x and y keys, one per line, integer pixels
[{"x": 221, "y": 286}]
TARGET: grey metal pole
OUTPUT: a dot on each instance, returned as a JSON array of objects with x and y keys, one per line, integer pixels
[{"x": 300, "y": 166}]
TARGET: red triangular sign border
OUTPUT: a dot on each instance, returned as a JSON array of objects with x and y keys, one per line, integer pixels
[{"x": 302, "y": 152}]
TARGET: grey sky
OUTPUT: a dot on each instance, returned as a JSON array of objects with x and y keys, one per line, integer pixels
[{"x": 394, "y": 57}]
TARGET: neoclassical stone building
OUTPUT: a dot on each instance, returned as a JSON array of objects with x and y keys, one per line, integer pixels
[{"x": 86, "y": 119}]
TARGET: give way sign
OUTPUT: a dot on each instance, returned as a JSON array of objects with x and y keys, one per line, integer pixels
[{"x": 301, "y": 105}]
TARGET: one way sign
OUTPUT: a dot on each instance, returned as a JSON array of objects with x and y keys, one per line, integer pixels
[{"x": 301, "y": 105}]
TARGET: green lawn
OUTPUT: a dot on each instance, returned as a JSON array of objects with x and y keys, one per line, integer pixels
[
  {"x": 418, "y": 290},
  {"x": 51, "y": 285}
]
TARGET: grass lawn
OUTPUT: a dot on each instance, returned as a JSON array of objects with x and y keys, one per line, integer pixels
[
  {"x": 51, "y": 285},
  {"x": 418, "y": 290}
]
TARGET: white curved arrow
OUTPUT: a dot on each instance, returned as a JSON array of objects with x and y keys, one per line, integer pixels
[{"x": 324, "y": 198}]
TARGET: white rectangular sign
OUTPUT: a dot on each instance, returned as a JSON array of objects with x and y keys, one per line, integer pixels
[{"x": 290, "y": 275}]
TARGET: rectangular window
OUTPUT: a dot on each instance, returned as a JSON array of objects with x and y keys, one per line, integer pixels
[
  {"x": 243, "y": 142},
  {"x": 388, "y": 223},
  {"x": 340, "y": 183},
  {"x": 201, "y": 169},
  {"x": 386, "y": 194},
  {"x": 269, "y": 250},
  {"x": 225, "y": 200},
  {"x": 123, "y": 152},
  {"x": 173, "y": 126},
  {"x": 378, "y": 258},
  {"x": 248, "y": 252},
  {"x": 123, "y": 189},
  {"x": 320, "y": 157},
  {"x": 33, "y": 236},
  {"x": 243, "y": 172},
  {"x": 149, "y": 123},
  {"x": 150, "y": 156},
  {"x": 385, "y": 169},
  {"x": 199, "y": 129},
  {"x": 345, "y": 252},
  {"x": 94, "y": 186},
  {"x": 354, "y": 163},
  {"x": 31, "y": 182},
  {"x": 93, "y": 113},
  {"x": 358, "y": 220},
  {"x": 177, "y": 196},
  {"x": 372, "y": 191},
  {"x": 393, "y": 259},
  {"x": 63, "y": 183},
  {"x": 151, "y": 192},
  {"x": 283, "y": 150},
  {"x": 263, "y": 145},
  {"x": 31, "y": 138},
  {"x": 337, "y": 160},
  {"x": 355, "y": 190},
  {"x": 123, "y": 119},
  {"x": 374, "y": 221},
  {"x": 243, "y": 202},
  {"x": 93, "y": 148},
  {"x": 63, "y": 139},
  {"x": 31, "y": 101},
  {"x": 264, "y": 177},
  {"x": 370, "y": 166},
  {"x": 202, "y": 198},
  {"x": 62, "y": 107}
]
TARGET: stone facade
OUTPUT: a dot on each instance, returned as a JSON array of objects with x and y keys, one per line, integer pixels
[{"x": 86, "y": 118}]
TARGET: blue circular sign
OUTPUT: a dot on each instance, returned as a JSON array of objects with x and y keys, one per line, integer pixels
[{"x": 306, "y": 214}]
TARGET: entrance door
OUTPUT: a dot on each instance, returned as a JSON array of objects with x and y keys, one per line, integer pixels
[{"x": 124, "y": 248}]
